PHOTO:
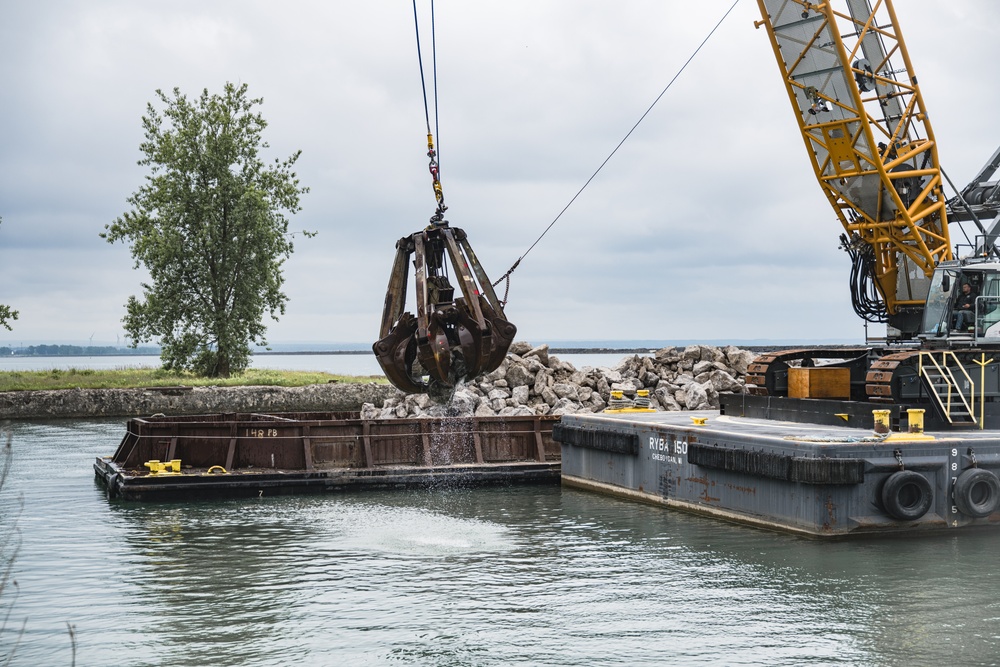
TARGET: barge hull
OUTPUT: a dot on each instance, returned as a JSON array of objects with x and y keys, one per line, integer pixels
[
  {"x": 247, "y": 455},
  {"x": 203, "y": 486},
  {"x": 814, "y": 480}
]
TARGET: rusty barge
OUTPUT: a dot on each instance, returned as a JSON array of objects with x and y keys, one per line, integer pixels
[{"x": 255, "y": 454}]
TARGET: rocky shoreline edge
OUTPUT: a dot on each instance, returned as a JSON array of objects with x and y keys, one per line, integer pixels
[{"x": 89, "y": 403}]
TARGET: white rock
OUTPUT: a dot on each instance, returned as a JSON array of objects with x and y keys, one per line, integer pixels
[
  {"x": 701, "y": 367},
  {"x": 691, "y": 353},
  {"x": 565, "y": 408},
  {"x": 518, "y": 374},
  {"x": 520, "y": 348},
  {"x": 499, "y": 373},
  {"x": 739, "y": 359},
  {"x": 499, "y": 393},
  {"x": 723, "y": 381},
  {"x": 549, "y": 396},
  {"x": 611, "y": 376},
  {"x": 665, "y": 397},
  {"x": 695, "y": 397},
  {"x": 541, "y": 353},
  {"x": 534, "y": 365},
  {"x": 542, "y": 382},
  {"x": 417, "y": 401},
  {"x": 628, "y": 386},
  {"x": 566, "y": 390}
]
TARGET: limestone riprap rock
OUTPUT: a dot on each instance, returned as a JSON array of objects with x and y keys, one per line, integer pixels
[{"x": 532, "y": 381}]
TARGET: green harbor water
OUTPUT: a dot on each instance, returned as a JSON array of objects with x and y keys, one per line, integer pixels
[{"x": 503, "y": 576}]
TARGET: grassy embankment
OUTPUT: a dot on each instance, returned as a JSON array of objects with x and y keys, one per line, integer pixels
[{"x": 128, "y": 378}]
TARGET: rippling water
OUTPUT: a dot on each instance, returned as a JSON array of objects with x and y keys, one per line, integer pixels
[{"x": 522, "y": 575}]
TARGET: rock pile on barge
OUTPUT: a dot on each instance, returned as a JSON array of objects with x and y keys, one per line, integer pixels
[{"x": 530, "y": 382}]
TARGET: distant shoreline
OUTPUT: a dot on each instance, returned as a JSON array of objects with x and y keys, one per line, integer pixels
[
  {"x": 552, "y": 350},
  {"x": 555, "y": 350}
]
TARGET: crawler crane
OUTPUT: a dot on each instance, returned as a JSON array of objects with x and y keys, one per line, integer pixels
[{"x": 862, "y": 118}]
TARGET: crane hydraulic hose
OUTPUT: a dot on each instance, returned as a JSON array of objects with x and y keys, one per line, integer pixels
[{"x": 865, "y": 298}]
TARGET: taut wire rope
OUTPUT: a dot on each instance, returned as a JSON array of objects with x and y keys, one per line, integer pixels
[
  {"x": 420, "y": 64},
  {"x": 506, "y": 276},
  {"x": 434, "y": 166}
]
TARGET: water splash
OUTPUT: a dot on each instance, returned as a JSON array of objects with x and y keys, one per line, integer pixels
[{"x": 419, "y": 532}]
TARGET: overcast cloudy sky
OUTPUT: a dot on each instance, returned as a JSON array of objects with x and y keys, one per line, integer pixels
[{"x": 707, "y": 224}]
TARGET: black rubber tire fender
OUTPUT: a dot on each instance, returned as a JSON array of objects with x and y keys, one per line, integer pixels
[
  {"x": 907, "y": 495},
  {"x": 977, "y": 493}
]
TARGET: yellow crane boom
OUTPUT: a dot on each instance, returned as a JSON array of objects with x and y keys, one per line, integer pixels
[{"x": 862, "y": 118}]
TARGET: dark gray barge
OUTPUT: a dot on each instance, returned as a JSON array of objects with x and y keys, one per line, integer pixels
[
  {"x": 819, "y": 480},
  {"x": 234, "y": 455}
]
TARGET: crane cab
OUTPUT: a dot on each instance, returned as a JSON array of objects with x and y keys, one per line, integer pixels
[{"x": 940, "y": 315}]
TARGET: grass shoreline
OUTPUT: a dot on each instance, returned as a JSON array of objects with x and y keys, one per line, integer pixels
[{"x": 140, "y": 378}]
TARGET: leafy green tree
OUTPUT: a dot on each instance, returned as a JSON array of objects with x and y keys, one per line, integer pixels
[
  {"x": 209, "y": 226},
  {"x": 6, "y": 314}
]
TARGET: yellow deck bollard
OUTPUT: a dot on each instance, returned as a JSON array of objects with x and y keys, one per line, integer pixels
[
  {"x": 156, "y": 467},
  {"x": 881, "y": 421},
  {"x": 915, "y": 428}
]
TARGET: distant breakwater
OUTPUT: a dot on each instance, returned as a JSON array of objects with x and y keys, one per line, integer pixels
[{"x": 83, "y": 403}]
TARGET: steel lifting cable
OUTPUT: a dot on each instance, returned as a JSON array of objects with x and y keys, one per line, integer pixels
[
  {"x": 506, "y": 276},
  {"x": 434, "y": 165}
]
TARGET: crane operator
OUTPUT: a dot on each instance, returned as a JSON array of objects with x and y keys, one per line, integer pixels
[{"x": 965, "y": 304}]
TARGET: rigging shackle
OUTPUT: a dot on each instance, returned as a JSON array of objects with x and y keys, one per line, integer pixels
[{"x": 437, "y": 219}]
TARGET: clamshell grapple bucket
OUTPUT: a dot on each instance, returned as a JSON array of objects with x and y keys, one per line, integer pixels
[{"x": 449, "y": 339}]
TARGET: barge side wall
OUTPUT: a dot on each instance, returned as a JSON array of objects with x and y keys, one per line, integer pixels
[{"x": 813, "y": 488}]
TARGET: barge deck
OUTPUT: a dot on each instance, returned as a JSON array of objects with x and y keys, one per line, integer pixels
[{"x": 255, "y": 454}]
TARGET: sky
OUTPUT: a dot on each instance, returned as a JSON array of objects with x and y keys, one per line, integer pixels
[{"x": 707, "y": 224}]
